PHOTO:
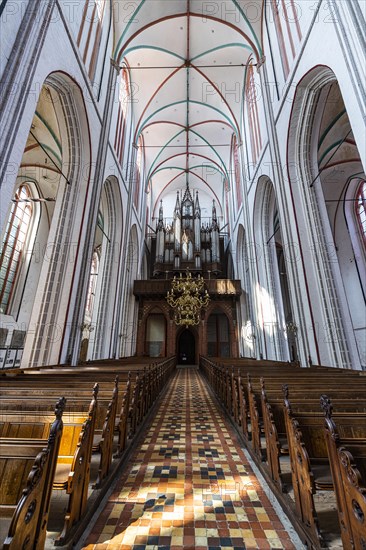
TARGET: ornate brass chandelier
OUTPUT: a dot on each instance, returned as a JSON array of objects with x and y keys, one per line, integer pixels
[{"x": 187, "y": 297}]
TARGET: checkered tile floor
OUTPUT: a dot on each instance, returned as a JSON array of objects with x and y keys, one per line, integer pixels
[{"x": 189, "y": 485}]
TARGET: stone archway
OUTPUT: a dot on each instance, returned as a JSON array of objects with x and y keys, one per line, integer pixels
[{"x": 324, "y": 161}]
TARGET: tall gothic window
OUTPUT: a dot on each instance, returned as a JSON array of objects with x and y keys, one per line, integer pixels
[
  {"x": 235, "y": 152},
  {"x": 120, "y": 137},
  {"x": 137, "y": 175},
  {"x": 361, "y": 209},
  {"x": 92, "y": 284},
  {"x": 12, "y": 250},
  {"x": 252, "y": 98},
  {"x": 90, "y": 33},
  {"x": 286, "y": 20}
]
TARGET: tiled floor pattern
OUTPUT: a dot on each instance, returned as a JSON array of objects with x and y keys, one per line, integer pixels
[{"x": 189, "y": 484}]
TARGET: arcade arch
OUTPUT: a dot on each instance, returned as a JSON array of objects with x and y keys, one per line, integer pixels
[
  {"x": 325, "y": 164},
  {"x": 52, "y": 169}
]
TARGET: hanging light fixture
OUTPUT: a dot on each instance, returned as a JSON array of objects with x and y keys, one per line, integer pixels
[{"x": 187, "y": 297}]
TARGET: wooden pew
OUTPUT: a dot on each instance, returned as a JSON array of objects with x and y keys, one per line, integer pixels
[
  {"x": 31, "y": 391},
  {"x": 16, "y": 425},
  {"x": 74, "y": 455},
  {"x": 347, "y": 458},
  {"x": 231, "y": 388},
  {"x": 29, "y": 521},
  {"x": 303, "y": 388},
  {"x": 104, "y": 444},
  {"x": 122, "y": 422},
  {"x": 275, "y": 429},
  {"x": 75, "y": 479},
  {"x": 310, "y": 468},
  {"x": 17, "y": 457}
]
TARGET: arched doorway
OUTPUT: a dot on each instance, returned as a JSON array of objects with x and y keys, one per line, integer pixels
[{"x": 186, "y": 348}]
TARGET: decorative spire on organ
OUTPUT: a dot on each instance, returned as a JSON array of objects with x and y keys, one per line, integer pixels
[
  {"x": 161, "y": 217},
  {"x": 177, "y": 206},
  {"x": 160, "y": 238},
  {"x": 214, "y": 214},
  {"x": 177, "y": 227},
  {"x": 197, "y": 208},
  {"x": 215, "y": 238},
  {"x": 187, "y": 197},
  {"x": 197, "y": 227}
]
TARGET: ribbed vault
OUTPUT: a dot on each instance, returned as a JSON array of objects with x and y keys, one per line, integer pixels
[{"x": 186, "y": 61}]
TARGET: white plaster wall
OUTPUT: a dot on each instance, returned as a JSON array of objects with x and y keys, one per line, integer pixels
[{"x": 10, "y": 22}]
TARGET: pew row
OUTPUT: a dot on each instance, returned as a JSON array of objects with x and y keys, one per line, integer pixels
[
  {"x": 252, "y": 394},
  {"x": 108, "y": 427},
  {"x": 30, "y": 514},
  {"x": 347, "y": 458}
]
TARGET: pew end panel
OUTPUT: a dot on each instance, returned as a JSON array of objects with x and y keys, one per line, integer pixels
[
  {"x": 347, "y": 459},
  {"x": 76, "y": 480},
  {"x": 303, "y": 481},
  {"x": 29, "y": 522},
  {"x": 105, "y": 444}
]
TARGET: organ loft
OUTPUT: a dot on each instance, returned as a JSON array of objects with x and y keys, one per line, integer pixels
[{"x": 188, "y": 242}]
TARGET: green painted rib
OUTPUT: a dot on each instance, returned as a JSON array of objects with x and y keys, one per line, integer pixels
[
  {"x": 260, "y": 51},
  {"x": 169, "y": 168},
  {"x": 193, "y": 174},
  {"x": 115, "y": 55},
  {"x": 44, "y": 121},
  {"x": 207, "y": 166},
  {"x": 100, "y": 220},
  {"x": 48, "y": 148},
  {"x": 236, "y": 4},
  {"x": 161, "y": 150},
  {"x": 329, "y": 127},
  {"x": 198, "y": 135},
  {"x": 157, "y": 48},
  {"x": 335, "y": 144},
  {"x": 191, "y": 168},
  {"x": 203, "y": 139},
  {"x": 224, "y": 46},
  {"x": 210, "y": 146},
  {"x": 179, "y": 103}
]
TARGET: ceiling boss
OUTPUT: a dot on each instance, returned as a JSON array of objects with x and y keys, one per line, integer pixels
[{"x": 188, "y": 297}]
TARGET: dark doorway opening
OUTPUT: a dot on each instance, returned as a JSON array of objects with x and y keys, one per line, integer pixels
[{"x": 186, "y": 347}]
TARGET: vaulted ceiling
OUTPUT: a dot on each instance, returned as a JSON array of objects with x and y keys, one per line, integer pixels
[{"x": 187, "y": 63}]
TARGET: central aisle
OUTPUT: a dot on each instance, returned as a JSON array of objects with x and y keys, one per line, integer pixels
[{"x": 189, "y": 485}]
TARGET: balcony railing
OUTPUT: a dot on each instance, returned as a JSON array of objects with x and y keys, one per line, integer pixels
[{"x": 215, "y": 287}]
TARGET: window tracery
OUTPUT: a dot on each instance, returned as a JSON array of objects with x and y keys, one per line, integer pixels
[
  {"x": 14, "y": 243},
  {"x": 361, "y": 209}
]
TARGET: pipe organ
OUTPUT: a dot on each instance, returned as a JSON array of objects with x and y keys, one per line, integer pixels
[{"x": 187, "y": 241}]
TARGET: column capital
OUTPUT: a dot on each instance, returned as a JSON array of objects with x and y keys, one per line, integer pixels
[
  {"x": 115, "y": 65},
  {"x": 261, "y": 62}
]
